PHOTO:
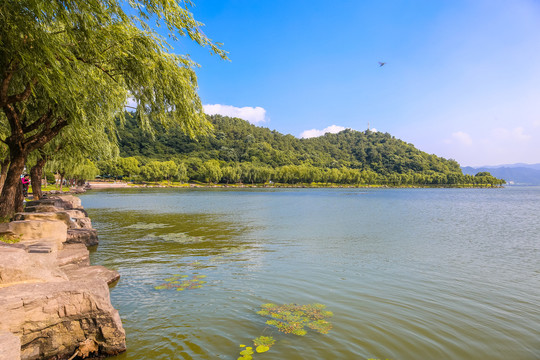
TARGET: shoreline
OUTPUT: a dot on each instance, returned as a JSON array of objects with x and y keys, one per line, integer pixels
[
  {"x": 56, "y": 304},
  {"x": 124, "y": 185}
]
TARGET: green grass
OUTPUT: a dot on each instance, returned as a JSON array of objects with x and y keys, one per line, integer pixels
[
  {"x": 50, "y": 187},
  {"x": 10, "y": 239}
]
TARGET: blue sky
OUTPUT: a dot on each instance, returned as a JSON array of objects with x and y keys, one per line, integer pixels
[{"x": 461, "y": 80}]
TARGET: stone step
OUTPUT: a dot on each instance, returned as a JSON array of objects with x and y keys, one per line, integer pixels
[{"x": 73, "y": 254}]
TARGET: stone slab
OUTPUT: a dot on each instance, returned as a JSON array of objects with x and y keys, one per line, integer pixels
[
  {"x": 73, "y": 254},
  {"x": 53, "y": 319},
  {"x": 87, "y": 237},
  {"x": 10, "y": 346}
]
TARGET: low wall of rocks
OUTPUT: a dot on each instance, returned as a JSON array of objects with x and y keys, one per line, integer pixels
[{"x": 54, "y": 304}]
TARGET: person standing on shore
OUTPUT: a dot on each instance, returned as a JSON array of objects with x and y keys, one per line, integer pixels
[{"x": 25, "y": 183}]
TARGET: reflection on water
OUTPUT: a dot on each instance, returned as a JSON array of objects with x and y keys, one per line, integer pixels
[{"x": 407, "y": 273}]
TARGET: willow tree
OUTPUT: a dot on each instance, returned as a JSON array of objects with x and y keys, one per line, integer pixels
[
  {"x": 73, "y": 148},
  {"x": 77, "y": 62}
]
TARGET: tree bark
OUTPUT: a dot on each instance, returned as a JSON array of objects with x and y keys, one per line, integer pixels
[
  {"x": 20, "y": 145},
  {"x": 12, "y": 187},
  {"x": 35, "y": 178},
  {"x": 61, "y": 180},
  {"x": 4, "y": 166}
]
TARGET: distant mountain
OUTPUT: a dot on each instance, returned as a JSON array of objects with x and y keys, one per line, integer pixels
[
  {"x": 514, "y": 174},
  {"x": 517, "y": 165},
  {"x": 239, "y": 151}
]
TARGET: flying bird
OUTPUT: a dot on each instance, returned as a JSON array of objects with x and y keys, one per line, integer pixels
[{"x": 381, "y": 63}]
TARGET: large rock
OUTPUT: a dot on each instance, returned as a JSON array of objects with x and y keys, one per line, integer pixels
[
  {"x": 10, "y": 346},
  {"x": 77, "y": 213},
  {"x": 67, "y": 202},
  {"x": 18, "y": 266},
  {"x": 54, "y": 319},
  {"x": 82, "y": 223},
  {"x": 73, "y": 254},
  {"x": 91, "y": 272},
  {"x": 36, "y": 230},
  {"x": 87, "y": 237},
  {"x": 41, "y": 208},
  {"x": 58, "y": 215}
]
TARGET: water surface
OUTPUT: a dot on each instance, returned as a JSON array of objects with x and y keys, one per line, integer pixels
[{"x": 408, "y": 273}]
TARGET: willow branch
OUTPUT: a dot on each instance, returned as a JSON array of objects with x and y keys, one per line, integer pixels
[
  {"x": 4, "y": 87},
  {"x": 23, "y": 95},
  {"x": 36, "y": 124}
]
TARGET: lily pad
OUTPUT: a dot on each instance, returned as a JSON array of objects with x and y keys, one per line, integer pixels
[
  {"x": 292, "y": 318},
  {"x": 262, "y": 348}
]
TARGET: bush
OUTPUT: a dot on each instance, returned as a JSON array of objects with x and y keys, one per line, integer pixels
[{"x": 50, "y": 178}]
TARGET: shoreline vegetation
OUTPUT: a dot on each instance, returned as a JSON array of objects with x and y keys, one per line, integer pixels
[
  {"x": 239, "y": 153},
  {"x": 121, "y": 184}
]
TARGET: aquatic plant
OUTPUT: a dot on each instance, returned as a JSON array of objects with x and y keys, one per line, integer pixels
[
  {"x": 181, "y": 238},
  {"x": 146, "y": 226},
  {"x": 292, "y": 318},
  {"x": 263, "y": 343},
  {"x": 181, "y": 282},
  {"x": 246, "y": 353}
]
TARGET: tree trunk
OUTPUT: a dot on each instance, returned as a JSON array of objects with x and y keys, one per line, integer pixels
[
  {"x": 35, "y": 178},
  {"x": 10, "y": 201},
  {"x": 3, "y": 171},
  {"x": 61, "y": 181},
  {"x": 19, "y": 198}
]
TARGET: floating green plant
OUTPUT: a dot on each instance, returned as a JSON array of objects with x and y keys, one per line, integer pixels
[
  {"x": 146, "y": 226},
  {"x": 263, "y": 343},
  {"x": 246, "y": 353},
  {"x": 181, "y": 238},
  {"x": 292, "y": 318},
  {"x": 182, "y": 282}
]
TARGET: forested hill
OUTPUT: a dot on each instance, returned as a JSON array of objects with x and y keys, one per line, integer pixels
[{"x": 346, "y": 157}]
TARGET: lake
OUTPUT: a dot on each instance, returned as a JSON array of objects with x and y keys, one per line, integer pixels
[{"x": 407, "y": 273}]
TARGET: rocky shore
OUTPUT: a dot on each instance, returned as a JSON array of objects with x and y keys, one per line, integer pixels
[{"x": 54, "y": 304}]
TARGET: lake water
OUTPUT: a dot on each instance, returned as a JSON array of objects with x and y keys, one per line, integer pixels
[{"x": 407, "y": 273}]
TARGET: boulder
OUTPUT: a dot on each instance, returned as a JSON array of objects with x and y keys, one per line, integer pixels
[
  {"x": 18, "y": 266},
  {"x": 91, "y": 272},
  {"x": 10, "y": 345},
  {"x": 82, "y": 223},
  {"x": 36, "y": 230},
  {"x": 87, "y": 237},
  {"x": 54, "y": 319},
  {"x": 73, "y": 254},
  {"x": 58, "y": 215},
  {"x": 40, "y": 208},
  {"x": 67, "y": 202},
  {"x": 77, "y": 213}
]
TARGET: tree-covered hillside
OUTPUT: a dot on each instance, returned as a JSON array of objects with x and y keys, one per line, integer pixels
[{"x": 241, "y": 152}]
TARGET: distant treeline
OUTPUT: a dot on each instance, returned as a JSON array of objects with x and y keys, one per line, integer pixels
[{"x": 239, "y": 152}]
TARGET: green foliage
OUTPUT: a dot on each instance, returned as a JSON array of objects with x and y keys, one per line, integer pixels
[
  {"x": 246, "y": 353},
  {"x": 292, "y": 318},
  {"x": 182, "y": 282},
  {"x": 9, "y": 239},
  {"x": 243, "y": 153},
  {"x": 263, "y": 343},
  {"x": 50, "y": 178},
  {"x": 68, "y": 69}
]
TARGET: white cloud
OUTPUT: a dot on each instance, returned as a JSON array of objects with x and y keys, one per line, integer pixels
[
  {"x": 516, "y": 134},
  {"x": 314, "y": 132},
  {"x": 254, "y": 115},
  {"x": 461, "y": 138}
]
